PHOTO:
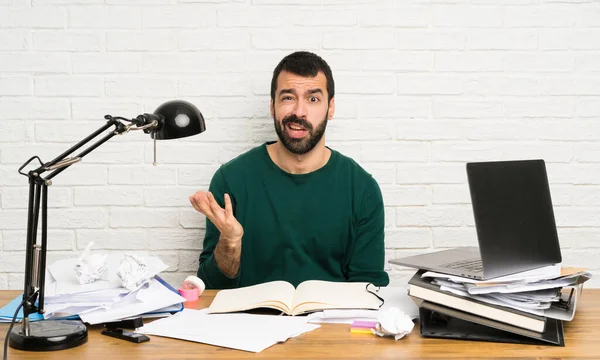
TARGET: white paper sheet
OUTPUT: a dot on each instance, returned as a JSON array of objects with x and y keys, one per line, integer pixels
[
  {"x": 247, "y": 332},
  {"x": 55, "y": 312},
  {"x": 396, "y": 296},
  {"x": 342, "y": 316},
  {"x": 529, "y": 296},
  {"x": 393, "y": 296},
  {"x": 538, "y": 285},
  {"x": 66, "y": 282},
  {"x": 97, "y": 295},
  {"x": 147, "y": 299},
  {"x": 546, "y": 272}
]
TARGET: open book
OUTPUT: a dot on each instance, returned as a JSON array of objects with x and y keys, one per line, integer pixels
[{"x": 309, "y": 296}]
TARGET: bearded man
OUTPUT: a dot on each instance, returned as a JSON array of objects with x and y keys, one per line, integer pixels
[{"x": 293, "y": 209}]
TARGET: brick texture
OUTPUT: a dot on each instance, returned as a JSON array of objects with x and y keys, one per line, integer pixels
[{"x": 422, "y": 88}]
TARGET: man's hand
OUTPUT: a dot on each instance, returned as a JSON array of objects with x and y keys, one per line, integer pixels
[
  {"x": 228, "y": 251},
  {"x": 231, "y": 230}
]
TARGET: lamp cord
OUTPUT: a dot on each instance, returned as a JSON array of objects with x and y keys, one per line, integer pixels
[{"x": 10, "y": 329}]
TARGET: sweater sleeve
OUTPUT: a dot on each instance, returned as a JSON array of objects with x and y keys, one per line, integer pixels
[
  {"x": 367, "y": 254},
  {"x": 208, "y": 270}
]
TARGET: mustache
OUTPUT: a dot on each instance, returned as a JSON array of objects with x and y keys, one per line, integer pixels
[{"x": 293, "y": 119}]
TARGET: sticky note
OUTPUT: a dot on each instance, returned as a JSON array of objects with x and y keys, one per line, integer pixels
[{"x": 364, "y": 324}]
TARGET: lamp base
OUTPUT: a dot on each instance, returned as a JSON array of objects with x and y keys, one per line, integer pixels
[{"x": 49, "y": 335}]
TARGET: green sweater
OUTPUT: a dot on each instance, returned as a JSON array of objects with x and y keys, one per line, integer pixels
[{"x": 325, "y": 225}]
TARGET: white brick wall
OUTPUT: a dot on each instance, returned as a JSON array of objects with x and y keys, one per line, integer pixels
[{"x": 423, "y": 87}]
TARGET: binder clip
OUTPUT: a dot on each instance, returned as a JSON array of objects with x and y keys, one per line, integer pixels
[
  {"x": 192, "y": 288},
  {"x": 564, "y": 304}
]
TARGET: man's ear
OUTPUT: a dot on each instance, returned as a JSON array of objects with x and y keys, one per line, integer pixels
[
  {"x": 331, "y": 110},
  {"x": 272, "y": 108}
]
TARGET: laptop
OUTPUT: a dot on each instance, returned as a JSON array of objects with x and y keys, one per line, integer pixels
[{"x": 514, "y": 221}]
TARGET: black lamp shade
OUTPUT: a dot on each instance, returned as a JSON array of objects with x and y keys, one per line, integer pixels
[{"x": 178, "y": 119}]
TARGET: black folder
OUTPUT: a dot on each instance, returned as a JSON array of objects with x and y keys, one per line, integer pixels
[
  {"x": 438, "y": 321},
  {"x": 423, "y": 289}
]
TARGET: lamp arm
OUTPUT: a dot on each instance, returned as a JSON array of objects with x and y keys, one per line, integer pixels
[
  {"x": 171, "y": 120},
  {"x": 63, "y": 165},
  {"x": 35, "y": 254}
]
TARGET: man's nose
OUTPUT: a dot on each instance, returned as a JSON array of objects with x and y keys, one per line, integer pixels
[{"x": 300, "y": 110}]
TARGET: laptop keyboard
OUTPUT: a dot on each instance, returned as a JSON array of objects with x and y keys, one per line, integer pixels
[{"x": 468, "y": 264}]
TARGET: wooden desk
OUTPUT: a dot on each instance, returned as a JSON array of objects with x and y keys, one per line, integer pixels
[{"x": 334, "y": 341}]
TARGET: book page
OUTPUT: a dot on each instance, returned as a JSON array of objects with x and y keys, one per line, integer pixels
[
  {"x": 275, "y": 295},
  {"x": 319, "y": 295}
]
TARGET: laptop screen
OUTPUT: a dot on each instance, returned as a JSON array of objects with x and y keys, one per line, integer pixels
[{"x": 513, "y": 213}]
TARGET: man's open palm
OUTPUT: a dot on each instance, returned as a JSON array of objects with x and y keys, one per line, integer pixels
[{"x": 223, "y": 219}]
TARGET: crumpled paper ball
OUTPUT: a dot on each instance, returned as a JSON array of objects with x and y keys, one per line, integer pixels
[
  {"x": 132, "y": 272},
  {"x": 91, "y": 267},
  {"x": 393, "y": 322}
]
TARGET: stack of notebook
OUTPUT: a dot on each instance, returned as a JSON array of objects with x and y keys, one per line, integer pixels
[
  {"x": 104, "y": 300},
  {"x": 527, "y": 311},
  {"x": 517, "y": 238}
]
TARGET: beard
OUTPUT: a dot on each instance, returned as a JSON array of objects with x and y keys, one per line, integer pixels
[{"x": 303, "y": 145}]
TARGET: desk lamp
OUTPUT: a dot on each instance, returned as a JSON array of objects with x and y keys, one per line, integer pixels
[{"x": 172, "y": 120}]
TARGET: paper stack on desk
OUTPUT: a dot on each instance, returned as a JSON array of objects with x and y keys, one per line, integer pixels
[
  {"x": 538, "y": 296},
  {"x": 393, "y": 296},
  {"x": 248, "y": 332},
  {"x": 532, "y": 304},
  {"x": 103, "y": 300}
]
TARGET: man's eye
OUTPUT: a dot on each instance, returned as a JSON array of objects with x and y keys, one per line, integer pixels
[
  {"x": 314, "y": 99},
  {"x": 285, "y": 98}
]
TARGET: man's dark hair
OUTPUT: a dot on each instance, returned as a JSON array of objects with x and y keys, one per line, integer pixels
[{"x": 303, "y": 63}]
